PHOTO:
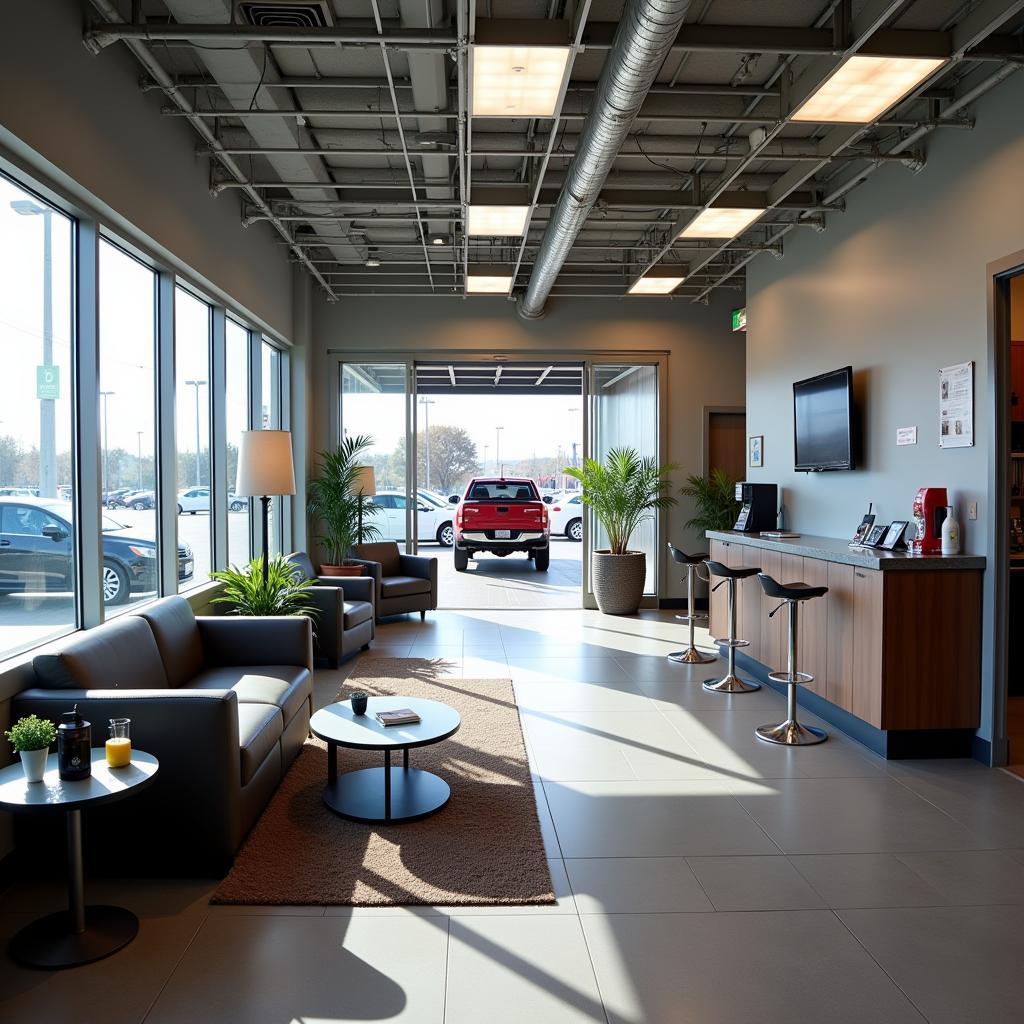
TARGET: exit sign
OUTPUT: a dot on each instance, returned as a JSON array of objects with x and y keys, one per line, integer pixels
[
  {"x": 48, "y": 382},
  {"x": 739, "y": 319}
]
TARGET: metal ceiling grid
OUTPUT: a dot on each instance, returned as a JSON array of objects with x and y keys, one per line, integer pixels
[{"x": 354, "y": 139}]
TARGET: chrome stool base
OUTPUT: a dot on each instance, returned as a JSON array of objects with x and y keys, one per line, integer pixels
[
  {"x": 730, "y": 683},
  {"x": 791, "y": 734},
  {"x": 691, "y": 656}
]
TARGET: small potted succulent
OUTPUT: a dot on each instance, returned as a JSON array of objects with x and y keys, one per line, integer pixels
[{"x": 31, "y": 738}]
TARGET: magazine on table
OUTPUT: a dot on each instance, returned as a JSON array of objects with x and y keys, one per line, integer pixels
[{"x": 400, "y": 716}]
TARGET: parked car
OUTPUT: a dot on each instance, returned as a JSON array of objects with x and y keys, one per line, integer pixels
[
  {"x": 140, "y": 500},
  {"x": 37, "y": 552},
  {"x": 115, "y": 499},
  {"x": 193, "y": 500},
  {"x": 433, "y": 498},
  {"x": 502, "y": 515},
  {"x": 434, "y": 523},
  {"x": 17, "y": 492},
  {"x": 237, "y": 503},
  {"x": 567, "y": 517}
]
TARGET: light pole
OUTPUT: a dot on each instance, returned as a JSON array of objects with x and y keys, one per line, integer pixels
[
  {"x": 497, "y": 450},
  {"x": 47, "y": 409},
  {"x": 106, "y": 447},
  {"x": 427, "y": 403},
  {"x": 486, "y": 449},
  {"x": 138, "y": 458},
  {"x": 197, "y": 384}
]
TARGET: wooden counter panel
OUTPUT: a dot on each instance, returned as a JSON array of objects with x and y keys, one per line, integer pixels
[
  {"x": 812, "y": 639},
  {"x": 719, "y": 600},
  {"x": 869, "y": 627},
  {"x": 839, "y": 662}
]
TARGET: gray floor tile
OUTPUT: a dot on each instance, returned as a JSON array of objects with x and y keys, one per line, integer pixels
[
  {"x": 970, "y": 877},
  {"x": 739, "y": 969},
  {"x": 566, "y": 750},
  {"x": 627, "y": 885},
  {"x": 564, "y": 670},
  {"x": 270, "y": 970},
  {"x": 754, "y": 883},
  {"x": 866, "y": 880},
  {"x": 960, "y": 965},
  {"x": 559, "y": 696},
  {"x": 516, "y": 969},
  {"x": 652, "y": 819},
  {"x": 563, "y": 894}
]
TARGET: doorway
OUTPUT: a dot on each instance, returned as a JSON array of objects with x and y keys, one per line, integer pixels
[
  {"x": 1014, "y": 336},
  {"x": 725, "y": 448}
]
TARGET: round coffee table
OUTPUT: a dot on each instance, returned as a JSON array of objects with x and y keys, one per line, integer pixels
[
  {"x": 387, "y": 794},
  {"x": 80, "y": 934}
]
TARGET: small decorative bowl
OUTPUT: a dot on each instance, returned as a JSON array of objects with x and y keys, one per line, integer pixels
[{"x": 359, "y": 699}]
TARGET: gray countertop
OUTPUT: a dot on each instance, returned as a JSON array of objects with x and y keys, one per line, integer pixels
[{"x": 833, "y": 549}]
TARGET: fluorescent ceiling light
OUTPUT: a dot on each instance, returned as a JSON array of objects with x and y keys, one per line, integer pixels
[
  {"x": 863, "y": 88},
  {"x": 517, "y": 81},
  {"x": 483, "y": 280},
  {"x": 658, "y": 281},
  {"x": 497, "y": 220},
  {"x": 720, "y": 222}
]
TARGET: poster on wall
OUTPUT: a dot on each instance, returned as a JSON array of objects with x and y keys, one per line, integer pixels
[{"x": 956, "y": 406}]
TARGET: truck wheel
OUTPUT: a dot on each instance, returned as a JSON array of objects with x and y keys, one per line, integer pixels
[
  {"x": 575, "y": 530},
  {"x": 461, "y": 560},
  {"x": 541, "y": 558}
]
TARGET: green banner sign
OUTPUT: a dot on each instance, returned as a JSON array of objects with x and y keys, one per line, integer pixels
[{"x": 48, "y": 382}]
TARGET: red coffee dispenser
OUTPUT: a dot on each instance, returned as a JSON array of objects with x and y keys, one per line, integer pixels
[{"x": 929, "y": 511}]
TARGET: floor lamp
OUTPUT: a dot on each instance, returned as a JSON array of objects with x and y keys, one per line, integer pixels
[{"x": 265, "y": 469}]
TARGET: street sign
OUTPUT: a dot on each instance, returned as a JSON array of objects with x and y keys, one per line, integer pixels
[{"x": 48, "y": 382}]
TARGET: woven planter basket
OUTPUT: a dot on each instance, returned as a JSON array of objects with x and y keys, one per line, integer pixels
[{"x": 618, "y": 581}]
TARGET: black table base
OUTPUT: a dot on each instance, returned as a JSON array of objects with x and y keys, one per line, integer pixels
[
  {"x": 365, "y": 795},
  {"x": 52, "y": 942}
]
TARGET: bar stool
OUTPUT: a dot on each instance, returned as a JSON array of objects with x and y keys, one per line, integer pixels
[
  {"x": 790, "y": 733},
  {"x": 691, "y": 656},
  {"x": 730, "y": 682}
]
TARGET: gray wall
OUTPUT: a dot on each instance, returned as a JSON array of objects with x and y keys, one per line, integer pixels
[
  {"x": 706, "y": 360},
  {"x": 896, "y": 287},
  {"x": 81, "y": 120}
]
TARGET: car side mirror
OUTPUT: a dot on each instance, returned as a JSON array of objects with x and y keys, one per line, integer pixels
[
  {"x": 454, "y": 499},
  {"x": 547, "y": 499},
  {"x": 55, "y": 533}
]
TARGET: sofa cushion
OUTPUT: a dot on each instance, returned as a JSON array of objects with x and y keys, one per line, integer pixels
[
  {"x": 118, "y": 654},
  {"x": 403, "y": 586},
  {"x": 259, "y": 729},
  {"x": 386, "y": 553},
  {"x": 284, "y": 686},
  {"x": 303, "y": 563},
  {"x": 357, "y": 612},
  {"x": 177, "y": 637}
]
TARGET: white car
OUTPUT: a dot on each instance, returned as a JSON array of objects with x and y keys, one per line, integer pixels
[
  {"x": 434, "y": 523},
  {"x": 566, "y": 515},
  {"x": 193, "y": 500}
]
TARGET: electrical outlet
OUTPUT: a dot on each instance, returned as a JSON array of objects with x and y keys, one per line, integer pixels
[{"x": 972, "y": 510}]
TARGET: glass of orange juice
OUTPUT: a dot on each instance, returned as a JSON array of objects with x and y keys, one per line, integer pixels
[{"x": 119, "y": 744}]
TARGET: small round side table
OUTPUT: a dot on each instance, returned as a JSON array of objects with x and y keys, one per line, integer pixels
[{"x": 80, "y": 934}]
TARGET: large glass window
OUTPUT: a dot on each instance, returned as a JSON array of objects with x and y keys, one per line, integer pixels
[
  {"x": 192, "y": 373},
  {"x": 236, "y": 409},
  {"x": 127, "y": 428},
  {"x": 37, "y": 536},
  {"x": 272, "y": 420}
]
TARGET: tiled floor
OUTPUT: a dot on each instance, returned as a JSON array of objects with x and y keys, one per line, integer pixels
[{"x": 702, "y": 876}]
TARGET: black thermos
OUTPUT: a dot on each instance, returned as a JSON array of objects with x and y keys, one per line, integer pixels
[{"x": 74, "y": 747}]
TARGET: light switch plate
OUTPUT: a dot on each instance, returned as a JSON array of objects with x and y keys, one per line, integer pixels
[{"x": 972, "y": 510}]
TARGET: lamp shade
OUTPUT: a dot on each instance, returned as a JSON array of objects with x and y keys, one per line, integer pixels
[
  {"x": 365, "y": 482},
  {"x": 265, "y": 463}
]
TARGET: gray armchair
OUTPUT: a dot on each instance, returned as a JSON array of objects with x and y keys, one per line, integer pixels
[
  {"x": 345, "y": 620},
  {"x": 403, "y": 583}
]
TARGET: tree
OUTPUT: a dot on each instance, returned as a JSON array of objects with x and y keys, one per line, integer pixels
[{"x": 453, "y": 455}]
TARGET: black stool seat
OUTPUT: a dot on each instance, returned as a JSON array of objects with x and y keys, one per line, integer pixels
[
  {"x": 680, "y": 556},
  {"x": 789, "y": 591},
  {"x": 718, "y": 569}
]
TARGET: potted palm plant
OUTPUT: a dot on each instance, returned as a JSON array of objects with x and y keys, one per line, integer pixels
[
  {"x": 623, "y": 492},
  {"x": 31, "y": 738},
  {"x": 282, "y": 592},
  {"x": 341, "y": 510},
  {"x": 715, "y": 499}
]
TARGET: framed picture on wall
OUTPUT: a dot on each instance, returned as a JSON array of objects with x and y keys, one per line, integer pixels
[{"x": 756, "y": 450}]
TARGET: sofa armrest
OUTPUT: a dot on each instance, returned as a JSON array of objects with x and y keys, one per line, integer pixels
[
  {"x": 353, "y": 588},
  {"x": 257, "y": 640},
  {"x": 330, "y": 606},
  {"x": 420, "y": 566},
  {"x": 375, "y": 571}
]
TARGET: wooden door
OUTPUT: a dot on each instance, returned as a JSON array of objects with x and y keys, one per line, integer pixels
[
  {"x": 839, "y": 614},
  {"x": 868, "y": 625},
  {"x": 727, "y": 443},
  {"x": 812, "y": 640}
]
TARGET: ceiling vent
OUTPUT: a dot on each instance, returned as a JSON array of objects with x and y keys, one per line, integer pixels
[{"x": 285, "y": 13}]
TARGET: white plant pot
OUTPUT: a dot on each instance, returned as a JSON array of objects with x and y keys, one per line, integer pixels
[{"x": 33, "y": 763}]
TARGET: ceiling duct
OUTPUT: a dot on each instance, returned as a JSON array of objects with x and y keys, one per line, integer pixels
[
  {"x": 285, "y": 13},
  {"x": 645, "y": 35}
]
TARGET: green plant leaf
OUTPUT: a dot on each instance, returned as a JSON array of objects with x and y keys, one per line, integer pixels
[
  {"x": 715, "y": 499},
  {"x": 284, "y": 592}
]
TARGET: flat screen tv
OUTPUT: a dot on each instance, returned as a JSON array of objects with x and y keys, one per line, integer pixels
[{"x": 824, "y": 422}]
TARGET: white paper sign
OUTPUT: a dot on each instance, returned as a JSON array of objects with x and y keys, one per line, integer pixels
[
  {"x": 956, "y": 406},
  {"x": 906, "y": 435}
]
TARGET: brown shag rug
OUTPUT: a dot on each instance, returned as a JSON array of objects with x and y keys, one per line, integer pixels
[{"x": 483, "y": 847}]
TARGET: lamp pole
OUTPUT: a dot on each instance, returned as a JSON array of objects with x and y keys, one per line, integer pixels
[
  {"x": 197, "y": 384},
  {"x": 427, "y": 403},
  {"x": 497, "y": 450},
  {"x": 486, "y": 448},
  {"x": 106, "y": 446},
  {"x": 47, "y": 406}
]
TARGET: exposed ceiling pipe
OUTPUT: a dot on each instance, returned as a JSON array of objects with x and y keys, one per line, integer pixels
[{"x": 643, "y": 40}]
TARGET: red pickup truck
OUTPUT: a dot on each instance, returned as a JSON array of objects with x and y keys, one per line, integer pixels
[{"x": 502, "y": 515}]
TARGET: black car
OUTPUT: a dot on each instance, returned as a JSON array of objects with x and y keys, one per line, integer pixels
[{"x": 37, "y": 553}]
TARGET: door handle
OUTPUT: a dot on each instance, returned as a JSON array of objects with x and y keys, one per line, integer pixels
[{"x": 5, "y": 543}]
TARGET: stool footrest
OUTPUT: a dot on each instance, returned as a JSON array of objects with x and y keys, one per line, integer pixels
[
  {"x": 797, "y": 678},
  {"x": 732, "y": 643},
  {"x": 685, "y": 619}
]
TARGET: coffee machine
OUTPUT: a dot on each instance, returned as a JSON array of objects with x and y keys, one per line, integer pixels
[
  {"x": 929, "y": 512},
  {"x": 760, "y": 507}
]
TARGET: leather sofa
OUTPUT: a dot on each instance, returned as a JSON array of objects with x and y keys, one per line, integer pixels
[
  {"x": 224, "y": 702},
  {"x": 345, "y": 623},
  {"x": 403, "y": 583}
]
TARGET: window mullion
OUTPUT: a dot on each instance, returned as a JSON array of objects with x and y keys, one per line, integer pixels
[
  {"x": 219, "y": 441},
  {"x": 166, "y": 440}
]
